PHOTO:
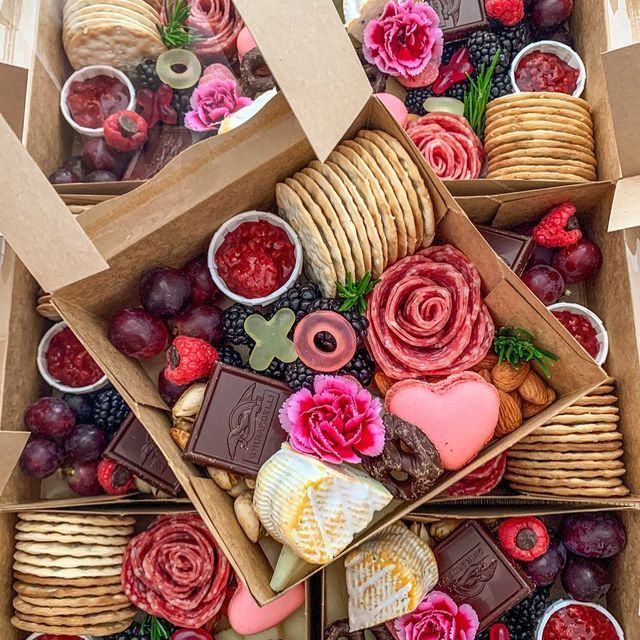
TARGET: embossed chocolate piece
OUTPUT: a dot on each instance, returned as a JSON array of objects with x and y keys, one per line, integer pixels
[
  {"x": 133, "y": 448},
  {"x": 514, "y": 249},
  {"x": 474, "y": 570},
  {"x": 458, "y": 18},
  {"x": 238, "y": 428}
]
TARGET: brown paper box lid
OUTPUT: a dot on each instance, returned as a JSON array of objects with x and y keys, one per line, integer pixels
[
  {"x": 314, "y": 63},
  {"x": 11, "y": 444}
]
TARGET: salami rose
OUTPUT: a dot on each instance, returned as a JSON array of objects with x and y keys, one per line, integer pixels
[
  {"x": 483, "y": 480},
  {"x": 426, "y": 316},
  {"x": 175, "y": 570},
  {"x": 219, "y": 23},
  {"x": 449, "y": 145}
]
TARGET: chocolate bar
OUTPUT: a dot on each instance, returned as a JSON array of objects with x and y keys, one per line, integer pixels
[
  {"x": 459, "y": 18},
  {"x": 475, "y": 571},
  {"x": 133, "y": 448},
  {"x": 514, "y": 248},
  {"x": 238, "y": 428}
]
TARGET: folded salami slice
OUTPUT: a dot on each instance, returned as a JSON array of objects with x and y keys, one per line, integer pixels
[
  {"x": 219, "y": 23},
  {"x": 426, "y": 316},
  {"x": 175, "y": 570},
  {"x": 449, "y": 145}
]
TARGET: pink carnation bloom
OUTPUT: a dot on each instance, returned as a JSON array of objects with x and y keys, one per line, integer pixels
[
  {"x": 438, "y": 617},
  {"x": 335, "y": 422},
  {"x": 213, "y": 101},
  {"x": 404, "y": 39}
]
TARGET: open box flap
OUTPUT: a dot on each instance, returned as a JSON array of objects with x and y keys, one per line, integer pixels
[
  {"x": 11, "y": 444},
  {"x": 310, "y": 55},
  {"x": 625, "y": 213},
  {"x": 61, "y": 252}
]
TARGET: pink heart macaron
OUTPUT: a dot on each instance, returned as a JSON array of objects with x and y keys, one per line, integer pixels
[{"x": 459, "y": 414}]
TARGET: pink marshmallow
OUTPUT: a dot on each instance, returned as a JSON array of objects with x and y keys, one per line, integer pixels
[
  {"x": 245, "y": 43},
  {"x": 395, "y": 106}
]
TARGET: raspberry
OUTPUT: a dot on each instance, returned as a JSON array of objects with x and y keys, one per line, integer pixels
[
  {"x": 189, "y": 359},
  {"x": 524, "y": 538},
  {"x": 114, "y": 479},
  {"x": 507, "y": 12},
  {"x": 559, "y": 228},
  {"x": 125, "y": 131}
]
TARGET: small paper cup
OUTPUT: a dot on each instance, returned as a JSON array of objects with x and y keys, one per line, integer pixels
[
  {"x": 561, "y": 604},
  {"x": 84, "y": 74},
  {"x": 44, "y": 371},
  {"x": 565, "y": 53},
  {"x": 596, "y": 323},
  {"x": 231, "y": 225}
]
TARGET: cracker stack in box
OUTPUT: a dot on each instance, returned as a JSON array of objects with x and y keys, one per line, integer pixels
[{"x": 67, "y": 573}]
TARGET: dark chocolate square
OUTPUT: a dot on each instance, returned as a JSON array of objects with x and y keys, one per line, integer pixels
[
  {"x": 459, "y": 18},
  {"x": 475, "y": 571},
  {"x": 133, "y": 448},
  {"x": 514, "y": 248},
  {"x": 238, "y": 427}
]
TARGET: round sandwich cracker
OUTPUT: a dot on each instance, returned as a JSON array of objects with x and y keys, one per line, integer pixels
[
  {"x": 86, "y": 628},
  {"x": 77, "y": 518},
  {"x": 79, "y": 581},
  {"x": 43, "y": 592},
  {"x": 72, "y": 550}
]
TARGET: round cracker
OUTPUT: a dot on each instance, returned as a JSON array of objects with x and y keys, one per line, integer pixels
[
  {"x": 568, "y": 447},
  {"x": 106, "y": 13},
  {"x": 368, "y": 186},
  {"x": 73, "y": 529},
  {"x": 594, "y": 401},
  {"x": 68, "y": 581},
  {"x": 580, "y": 411},
  {"x": 324, "y": 194},
  {"x": 567, "y": 456},
  {"x": 70, "y": 601},
  {"x": 589, "y": 474},
  {"x": 602, "y": 390},
  {"x": 388, "y": 142},
  {"x": 52, "y": 608},
  {"x": 79, "y": 620},
  {"x": 493, "y": 142},
  {"x": 73, "y": 550},
  {"x": 68, "y": 562},
  {"x": 593, "y": 483},
  {"x": 35, "y": 536},
  {"x": 545, "y": 116},
  {"x": 110, "y": 24},
  {"x": 588, "y": 465},
  {"x": 544, "y": 164},
  {"x": 610, "y": 492},
  {"x": 571, "y": 438},
  {"x": 77, "y": 518},
  {"x": 566, "y": 172},
  {"x": 42, "y": 591},
  {"x": 522, "y": 146},
  {"x": 539, "y": 98},
  {"x": 88, "y": 628},
  {"x": 584, "y": 418},
  {"x": 317, "y": 259},
  {"x": 338, "y": 257},
  {"x": 540, "y": 175},
  {"x": 338, "y": 193},
  {"x": 139, "y": 6},
  {"x": 517, "y": 112},
  {"x": 533, "y": 124},
  {"x": 67, "y": 572},
  {"x": 540, "y": 150},
  {"x": 565, "y": 429}
]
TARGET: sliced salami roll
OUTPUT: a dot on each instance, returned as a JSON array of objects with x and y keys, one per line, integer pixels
[{"x": 219, "y": 23}]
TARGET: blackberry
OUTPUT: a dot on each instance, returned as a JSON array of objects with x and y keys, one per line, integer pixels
[
  {"x": 145, "y": 630},
  {"x": 359, "y": 323},
  {"x": 81, "y": 405},
  {"x": 181, "y": 102},
  {"x": 298, "y": 376},
  {"x": 233, "y": 324},
  {"x": 298, "y": 298},
  {"x": 513, "y": 39},
  {"x": 415, "y": 99},
  {"x": 228, "y": 355},
  {"x": 109, "y": 410},
  {"x": 276, "y": 370},
  {"x": 482, "y": 47},
  {"x": 146, "y": 75},
  {"x": 361, "y": 367},
  {"x": 500, "y": 86}
]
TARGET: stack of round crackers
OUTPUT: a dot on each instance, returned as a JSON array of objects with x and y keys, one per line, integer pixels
[
  {"x": 577, "y": 453},
  {"x": 120, "y": 33},
  {"x": 67, "y": 573},
  {"x": 362, "y": 210},
  {"x": 540, "y": 136}
]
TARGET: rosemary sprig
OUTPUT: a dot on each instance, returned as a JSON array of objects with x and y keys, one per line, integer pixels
[
  {"x": 515, "y": 345},
  {"x": 156, "y": 628},
  {"x": 354, "y": 293},
  {"x": 477, "y": 96},
  {"x": 174, "y": 33}
]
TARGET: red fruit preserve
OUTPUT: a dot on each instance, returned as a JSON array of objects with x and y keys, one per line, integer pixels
[
  {"x": 69, "y": 362},
  {"x": 540, "y": 71},
  {"x": 255, "y": 259},
  {"x": 93, "y": 100},
  {"x": 581, "y": 329},
  {"x": 49, "y": 636},
  {"x": 579, "y": 621}
]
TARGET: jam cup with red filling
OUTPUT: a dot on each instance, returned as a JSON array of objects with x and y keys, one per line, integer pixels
[
  {"x": 585, "y": 327},
  {"x": 570, "y": 619}
]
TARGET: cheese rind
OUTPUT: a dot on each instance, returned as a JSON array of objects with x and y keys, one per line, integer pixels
[
  {"x": 314, "y": 507},
  {"x": 388, "y": 576}
]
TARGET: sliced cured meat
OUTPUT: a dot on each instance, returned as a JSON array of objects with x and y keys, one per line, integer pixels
[
  {"x": 219, "y": 23},
  {"x": 449, "y": 145},
  {"x": 483, "y": 480},
  {"x": 176, "y": 570},
  {"x": 426, "y": 316}
]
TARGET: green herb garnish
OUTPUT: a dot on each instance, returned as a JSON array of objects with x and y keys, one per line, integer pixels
[
  {"x": 354, "y": 293},
  {"x": 515, "y": 345},
  {"x": 477, "y": 96},
  {"x": 156, "y": 628},
  {"x": 174, "y": 33}
]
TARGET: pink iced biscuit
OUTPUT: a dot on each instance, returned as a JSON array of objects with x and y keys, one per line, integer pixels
[
  {"x": 459, "y": 414},
  {"x": 245, "y": 43},
  {"x": 216, "y": 71},
  {"x": 395, "y": 106},
  {"x": 247, "y": 618}
]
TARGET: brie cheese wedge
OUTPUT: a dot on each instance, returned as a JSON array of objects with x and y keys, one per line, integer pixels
[{"x": 357, "y": 13}]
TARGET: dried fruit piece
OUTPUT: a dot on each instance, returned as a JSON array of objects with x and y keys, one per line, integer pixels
[
  {"x": 114, "y": 478},
  {"x": 533, "y": 389},
  {"x": 125, "y": 131},
  {"x": 189, "y": 359},
  {"x": 180, "y": 437},
  {"x": 509, "y": 417},
  {"x": 507, "y": 378},
  {"x": 559, "y": 228},
  {"x": 524, "y": 538}
]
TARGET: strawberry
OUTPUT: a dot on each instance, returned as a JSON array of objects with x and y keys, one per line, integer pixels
[
  {"x": 114, "y": 479},
  {"x": 524, "y": 538},
  {"x": 559, "y": 228},
  {"x": 189, "y": 359}
]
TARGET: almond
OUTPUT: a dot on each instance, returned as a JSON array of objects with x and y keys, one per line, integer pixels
[
  {"x": 507, "y": 378},
  {"x": 533, "y": 389},
  {"x": 382, "y": 383},
  {"x": 180, "y": 437},
  {"x": 488, "y": 362},
  {"x": 486, "y": 374},
  {"x": 529, "y": 410},
  {"x": 516, "y": 396},
  {"x": 509, "y": 417}
]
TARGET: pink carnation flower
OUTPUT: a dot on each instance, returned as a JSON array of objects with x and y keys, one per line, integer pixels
[
  {"x": 213, "y": 101},
  {"x": 335, "y": 422},
  {"x": 438, "y": 617},
  {"x": 404, "y": 39}
]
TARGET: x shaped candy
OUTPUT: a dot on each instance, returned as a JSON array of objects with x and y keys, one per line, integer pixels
[{"x": 271, "y": 337}]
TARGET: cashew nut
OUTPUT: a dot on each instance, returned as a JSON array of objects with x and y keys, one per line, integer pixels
[
  {"x": 223, "y": 479},
  {"x": 247, "y": 516},
  {"x": 189, "y": 402}
]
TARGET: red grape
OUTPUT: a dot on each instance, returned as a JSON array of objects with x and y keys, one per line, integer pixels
[
  {"x": 545, "y": 569},
  {"x": 81, "y": 405},
  {"x": 138, "y": 334},
  {"x": 41, "y": 457},
  {"x": 545, "y": 282},
  {"x": 85, "y": 444},
  {"x": 75, "y": 165},
  {"x": 83, "y": 479},
  {"x": 165, "y": 292},
  {"x": 594, "y": 535},
  {"x": 101, "y": 176},
  {"x": 547, "y": 14},
  {"x": 169, "y": 391},
  {"x": 202, "y": 285},
  {"x": 579, "y": 261},
  {"x": 203, "y": 321},
  {"x": 50, "y": 417},
  {"x": 586, "y": 579},
  {"x": 97, "y": 155},
  {"x": 64, "y": 176}
]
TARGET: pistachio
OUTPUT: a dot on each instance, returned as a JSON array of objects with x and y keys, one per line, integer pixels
[
  {"x": 189, "y": 402},
  {"x": 247, "y": 516},
  {"x": 223, "y": 479}
]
